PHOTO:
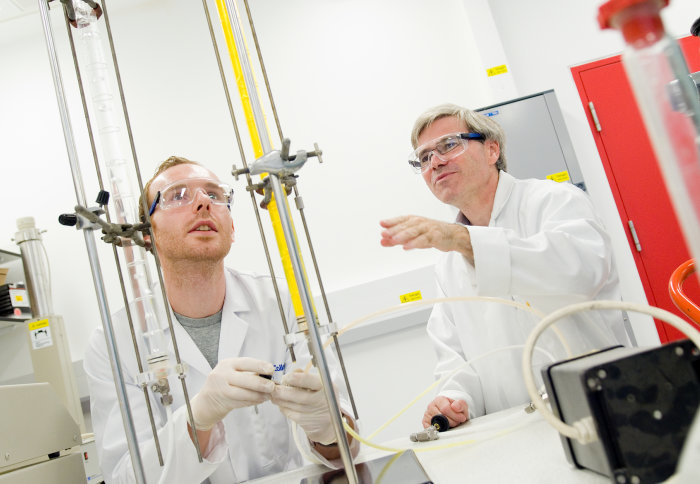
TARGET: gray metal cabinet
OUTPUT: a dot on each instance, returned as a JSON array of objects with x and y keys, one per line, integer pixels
[{"x": 537, "y": 142}]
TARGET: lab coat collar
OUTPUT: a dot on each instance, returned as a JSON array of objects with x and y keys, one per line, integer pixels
[
  {"x": 504, "y": 188},
  {"x": 233, "y": 328}
]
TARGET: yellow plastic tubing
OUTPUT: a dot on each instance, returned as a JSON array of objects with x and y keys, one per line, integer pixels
[{"x": 258, "y": 151}]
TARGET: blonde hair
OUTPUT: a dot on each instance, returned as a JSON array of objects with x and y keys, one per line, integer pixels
[{"x": 476, "y": 122}]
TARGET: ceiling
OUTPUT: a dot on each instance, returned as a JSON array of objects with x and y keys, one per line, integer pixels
[{"x": 10, "y": 9}]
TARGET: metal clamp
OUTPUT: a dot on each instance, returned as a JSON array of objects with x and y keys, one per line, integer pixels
[
  {"x": 89, "y": 218},
  {"x": 279, "y": 162},
  {"x": 70, "y": 11},
  {"x": 330, "y": 329}
]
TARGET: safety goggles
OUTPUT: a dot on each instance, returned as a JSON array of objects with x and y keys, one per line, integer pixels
[
  {"x": 445, "y": 148},
  {"x": 184, "y": 192}
]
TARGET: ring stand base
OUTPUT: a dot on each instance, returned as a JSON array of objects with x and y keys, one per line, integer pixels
[{"x": 401, "y": 468}]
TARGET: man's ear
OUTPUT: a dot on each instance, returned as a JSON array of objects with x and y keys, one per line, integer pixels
[
  {"x": 233, "y": 232},
  {"x": 493, "y": 151},
  {"x": 147, "y": 241}
]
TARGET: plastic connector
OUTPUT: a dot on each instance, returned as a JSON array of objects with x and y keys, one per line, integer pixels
[
  {"x": 585, "y": 430},
  {"x": 425, "y": 435}
]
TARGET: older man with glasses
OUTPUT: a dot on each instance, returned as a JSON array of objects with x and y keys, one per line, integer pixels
[
  {"x": 535, "y": 242},
  {"x": 229, "y": 335}
]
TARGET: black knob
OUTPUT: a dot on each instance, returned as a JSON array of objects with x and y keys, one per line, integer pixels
[
  {"x": 102, "y": 198},
  {"x": 695, "y": 28},
  {"x": 68, "y": 219},
  {"x": 440, "y": 422}
]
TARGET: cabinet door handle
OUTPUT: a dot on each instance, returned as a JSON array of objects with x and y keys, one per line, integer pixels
[
  {"x": 634, "y": 236},
  {"x": 594, "y": 115}
]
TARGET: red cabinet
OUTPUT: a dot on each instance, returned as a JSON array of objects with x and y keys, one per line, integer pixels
[{"x": 635, "y": 179}]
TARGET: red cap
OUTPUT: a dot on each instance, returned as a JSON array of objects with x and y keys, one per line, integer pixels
[{"x": 640, "y": 22}]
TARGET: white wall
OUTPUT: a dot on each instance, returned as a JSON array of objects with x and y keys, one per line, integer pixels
[
  {"x": 543, "y": 40},
  {"x": 350, "y": 75}
]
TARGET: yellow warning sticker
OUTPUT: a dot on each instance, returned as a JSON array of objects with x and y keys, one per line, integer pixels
[
  {"x": 42, "y": 323},
  {"x": 411, "y": 296},
  {"x": 494, "y": 71},
  {"x": 562, "y": 176},
  {"x": 40, "y": 334}
]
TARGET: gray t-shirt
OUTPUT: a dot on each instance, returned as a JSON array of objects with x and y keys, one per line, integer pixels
[{"x": 205, "y": 334}]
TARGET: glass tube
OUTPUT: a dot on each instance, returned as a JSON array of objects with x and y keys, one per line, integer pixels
[
  {"x": 123, "y": 195},
  {"x": 668, "y": 100}
]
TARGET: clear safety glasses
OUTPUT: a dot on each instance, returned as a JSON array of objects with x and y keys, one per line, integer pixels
[
  {"x": 445, "y": 148},
  {"x": 184, "y": 192}
]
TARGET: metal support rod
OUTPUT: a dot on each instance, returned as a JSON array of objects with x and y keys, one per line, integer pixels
[
  {"x": 249, "y": 80},
  {"x": 139, "y": 364},
  {"x": 248, "y": 177},
  {"x": 93, "y": 146},
  {"x": 117, "y": 375},
  {"x": 120, "y": 386},
  {"x": 264, "y": 71},
  {"x": 301, "y": 209},
  {"x": 314, "y": 340},
  {"x": 127, "y": 121},
  {"x": 62, "y": 107},
  {"x": 300, "y": 206}
]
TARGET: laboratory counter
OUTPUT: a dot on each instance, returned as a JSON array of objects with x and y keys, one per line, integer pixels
[{"x": 507, "y": 446}]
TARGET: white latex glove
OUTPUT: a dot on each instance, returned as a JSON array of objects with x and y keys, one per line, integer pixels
[
  {"x": 300, "y": 398},
  {"x": 233, "y": 383}
]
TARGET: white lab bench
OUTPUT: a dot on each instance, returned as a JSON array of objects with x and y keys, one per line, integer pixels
[{"x": 508, "y": 446}]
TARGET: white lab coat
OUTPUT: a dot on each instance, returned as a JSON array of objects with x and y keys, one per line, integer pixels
[
  {"x": 544, "y": 246},
  {"x": 250, "y": 442}
]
